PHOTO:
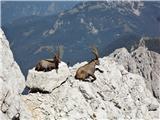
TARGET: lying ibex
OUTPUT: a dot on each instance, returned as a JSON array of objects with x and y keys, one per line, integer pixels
[
  {"x": 49, "y": 64},
  {"x": 88, "y": 70}
]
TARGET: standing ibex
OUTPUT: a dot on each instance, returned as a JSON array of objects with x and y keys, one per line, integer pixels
[
  {"x": 88, "y": 70},
  {"x": 49, "y": 64}
]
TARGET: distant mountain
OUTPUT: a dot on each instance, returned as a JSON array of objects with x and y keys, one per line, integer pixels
[
  {"x": 152, "y": 44},
  {"x": 107, "y": 24},
  {"x": 12, "y": 10}
]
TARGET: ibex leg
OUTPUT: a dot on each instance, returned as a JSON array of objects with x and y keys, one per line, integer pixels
[
  {"x": 101, "y": 71},
  {"x": 93, "y": 76}
]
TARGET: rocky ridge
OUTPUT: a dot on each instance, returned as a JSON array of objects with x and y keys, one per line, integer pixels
[
  {"x": 143, "y": 62},
  {"x": 116, "y": 94}
]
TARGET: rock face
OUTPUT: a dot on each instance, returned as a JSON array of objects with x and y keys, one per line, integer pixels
[
  {"x": 123, "y": 57},
  {"x": 47, "y": 81},
  {"x": 143, "y": 62},
  {"x": 116, "y": 94},
  {"x": 12, "y": 83}
]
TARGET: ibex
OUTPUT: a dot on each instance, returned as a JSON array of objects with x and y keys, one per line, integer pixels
[
  {"x": 88, "y": 69},
  {"x": 49, "y": 64}
]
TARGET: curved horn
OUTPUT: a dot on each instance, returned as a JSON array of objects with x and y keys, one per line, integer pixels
[
  {"x": 61, "y": 51},
  {"x": 95, "y": 51},
  {"x": 58, "y": 51}
]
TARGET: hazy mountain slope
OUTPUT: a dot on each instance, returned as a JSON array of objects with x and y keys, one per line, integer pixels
[
  {"x": 12, "y": 10},
  {"x": 152, "y": 44},
  {"x": 87, "y": 23}
]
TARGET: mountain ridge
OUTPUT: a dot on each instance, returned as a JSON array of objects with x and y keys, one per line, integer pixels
[{"x": 82, "y": 28}]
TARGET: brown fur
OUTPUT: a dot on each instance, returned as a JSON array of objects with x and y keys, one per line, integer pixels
[
  {"x": 48, "y": 64},
  {"x": 88, "y": 69}
]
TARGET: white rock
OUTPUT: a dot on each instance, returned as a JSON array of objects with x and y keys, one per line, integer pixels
[
  {"x": 12, "y": 83},
  {"x": 122, "y": 56},
  {"x": 9, "y": 70},
  {"x": 116, "y": 94},
  {"x": 47, "y": 81},
  {"x": 143, "y": 62}
]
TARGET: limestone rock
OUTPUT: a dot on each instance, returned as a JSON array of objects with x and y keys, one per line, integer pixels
[
  {"x": 47, "y": 81},
  {"x": 116, "y": 94},
  {"x": 12, "y": 83},
  {"x": 123, "y": 57},
  {"x": 143, "y": 62}
]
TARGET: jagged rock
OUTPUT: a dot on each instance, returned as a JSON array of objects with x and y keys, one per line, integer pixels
[
  {"x": 153, "y": 44},
  {"x": 143, "y": 62},
  {"x": 12, "y": 83},
  {"x": 123, "y": 57},
  {"x": 47, "y": 81},
  {"x": 116, "y": 94}
]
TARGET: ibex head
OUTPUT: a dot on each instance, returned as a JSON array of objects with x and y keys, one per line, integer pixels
[{"x": 95, "y": 52}]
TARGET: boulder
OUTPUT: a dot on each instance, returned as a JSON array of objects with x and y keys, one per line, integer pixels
[{"x": 46, "y": 82}]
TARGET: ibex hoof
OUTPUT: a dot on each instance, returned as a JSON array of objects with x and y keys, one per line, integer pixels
[
  {"x": 92, "y": 80},
  {"x": 101, "y": 71}
]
